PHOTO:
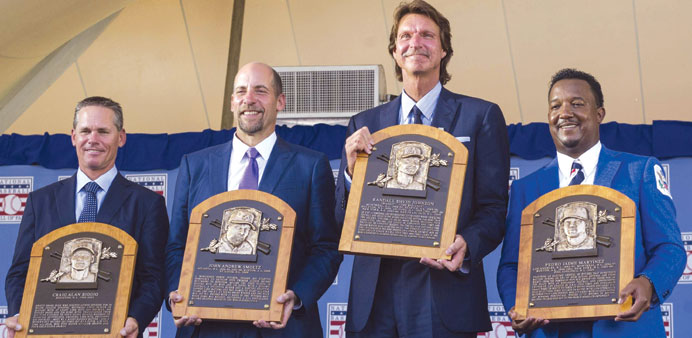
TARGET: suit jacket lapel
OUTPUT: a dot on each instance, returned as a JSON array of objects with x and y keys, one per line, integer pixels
[
  {"x": 219, "y": 163},
  {"x": 606, "y": 168},
  {"x": 549, "y": 178},
  {"x": 65, "y": 200},
  {"x": 389, "y": 116},
  {"x": 279, "y": 160},
  {"x": 446, "y": 111},
  {"x": 115, "y": 197}
]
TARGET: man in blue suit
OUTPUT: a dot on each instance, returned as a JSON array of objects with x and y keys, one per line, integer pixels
[
  {"x": 97, "y": 134},
  {"x": 299, "y": 176},
  {"x": 431, "y": 298},
  {"x": 574, "y": 116}
]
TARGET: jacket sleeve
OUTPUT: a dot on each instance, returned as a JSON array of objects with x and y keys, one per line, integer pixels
[
  {"x": 660, "y": 233},
  {"x": 323, "y": 259},
  {"x": 341, "y": 190},
  {"x": 149, "y": 280},
  {"x": 177, "y": 237},
  {"x": 16, "y": 276},
  {"x": 507, "y": 268},
  {"x": 491, "y": 173}
]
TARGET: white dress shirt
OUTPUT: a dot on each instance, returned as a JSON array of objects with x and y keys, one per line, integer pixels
[
  {"x": 588, "y": 160},
  {"x": 239, "y": 161},
  {"x": 104, "y": 181},
  {"x": 426, "y": 105}
]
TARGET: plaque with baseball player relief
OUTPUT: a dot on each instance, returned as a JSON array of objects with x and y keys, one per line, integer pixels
[
  {"x": 405, "y": 196},
  {"x": 576, "y": 253},
  {"x": 236, "y": 257},
  {"x": 79, "y": 282}
]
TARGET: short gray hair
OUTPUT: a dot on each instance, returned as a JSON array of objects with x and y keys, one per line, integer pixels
[{"x": 103, "y": 102}]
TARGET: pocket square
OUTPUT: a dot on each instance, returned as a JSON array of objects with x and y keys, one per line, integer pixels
[{"x": 463, "y": 138}]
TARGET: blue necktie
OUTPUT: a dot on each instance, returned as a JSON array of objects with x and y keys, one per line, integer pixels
[
  {"x": 89, "y": 211},
  {"x": 577, "y": 173},
  {"x": 251, "y": 174},
  {"x": 417, "y": 115}
]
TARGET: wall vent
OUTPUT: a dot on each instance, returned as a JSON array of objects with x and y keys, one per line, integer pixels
[{"x": 330, "y": 92}]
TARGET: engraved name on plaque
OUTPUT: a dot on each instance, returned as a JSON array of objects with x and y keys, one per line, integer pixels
[
  {"x": 405, "y": 196},
  {"x": 78, "y": 282},
  {"x": 576, "y": 253},
  {"x": 236, "y": 257}
]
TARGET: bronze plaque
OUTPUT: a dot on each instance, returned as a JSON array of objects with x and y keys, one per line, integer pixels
[
  {"x": 576, "y": 253},
  {"x": 79, "y": 282},
  {"x": 236, "y": 257},
  {"x": 405, "y": 196}
]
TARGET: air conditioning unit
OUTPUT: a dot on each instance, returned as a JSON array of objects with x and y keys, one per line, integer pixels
[{"x": 330, "y": 93}]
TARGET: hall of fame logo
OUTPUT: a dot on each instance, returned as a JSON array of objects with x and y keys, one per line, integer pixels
[
  {"x": 667, "y": 313},
  {"x": 513, "y": 175},
  {"x": 153, "y": 330},
  {"x": 3, "y": 316},
  {"x": 502, "y": 325},
  {"x": 686, "y": 277},
  {"x": 336, "y": 319},
  {"x": 13, "y": 194},
  {"x": 153, "y": 182}
]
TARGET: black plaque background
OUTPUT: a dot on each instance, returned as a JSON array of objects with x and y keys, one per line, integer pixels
[
  {"x": 266, "y": 262},
  {"x": 609, "y": 254},
  {"x": 376, "y": 167},
  {"x": 106, "y": 289}
]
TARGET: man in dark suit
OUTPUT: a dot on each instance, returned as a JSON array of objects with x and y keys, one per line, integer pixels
[
  {"x": 97, "y": 134},
  {"x": 575, "y": 113},
  {"x": 431, "y": 298},
  {"x": 299, "y": 176}
]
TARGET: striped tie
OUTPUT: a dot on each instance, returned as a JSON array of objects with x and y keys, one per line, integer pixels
[{"x": 577, "y": 173}]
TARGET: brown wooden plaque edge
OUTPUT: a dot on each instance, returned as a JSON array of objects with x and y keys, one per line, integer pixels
[
  {"x": 627, "y": 238},
  {"x": 122, "y": 298},
  {"x": 280, "y": 275},
  {"x": 449, "y": 226}
]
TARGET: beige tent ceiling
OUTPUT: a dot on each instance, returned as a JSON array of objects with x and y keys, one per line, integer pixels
[{"x": 165, "y": 60}]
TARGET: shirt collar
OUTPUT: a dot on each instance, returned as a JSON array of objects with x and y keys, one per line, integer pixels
[
  {"x": 426, "y": 104},
  {"x": 588, "y": 160},
  {"x": 104, "y": 181},
  {"x": 264, "y": 148}
]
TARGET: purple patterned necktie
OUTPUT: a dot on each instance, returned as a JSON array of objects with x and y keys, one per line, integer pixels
[{"x": 251, "y": 174}]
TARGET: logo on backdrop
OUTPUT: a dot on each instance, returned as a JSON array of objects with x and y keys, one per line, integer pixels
[
  {"x": 686, "y": 277},
  {"x": 153, "y": 329},
  {"x": 667, "y": 313},
  {"x": 153, "y": 182},
  {"x": 502, "y": 325},
  {"x": 14, "y": 191},
  {"x": 513, "y": 175},
  {"x": 336, "y": 319},
  {"x": 3, "y": 315}
]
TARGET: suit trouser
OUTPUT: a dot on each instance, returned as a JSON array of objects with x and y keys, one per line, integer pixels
[{"x": 403, "y": 305}]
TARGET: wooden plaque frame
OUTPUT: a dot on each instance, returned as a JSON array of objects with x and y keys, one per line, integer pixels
[
  {"x": 627, "y": 212},
  {"x": 124, "y": 288},
  {"x": 193, "y": 245},
  {"x": 458, "y": 162}
]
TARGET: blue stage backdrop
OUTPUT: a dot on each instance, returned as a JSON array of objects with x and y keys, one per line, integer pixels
[{"x": 28, "y": 163}]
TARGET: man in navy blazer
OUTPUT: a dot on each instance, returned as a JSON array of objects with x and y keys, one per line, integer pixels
[
  {"x": 445, "y": 298},
  {"x": 299, "y": 176},
  {"x": 574, "y": 116},
  {"x": 97, "y": 134}
]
